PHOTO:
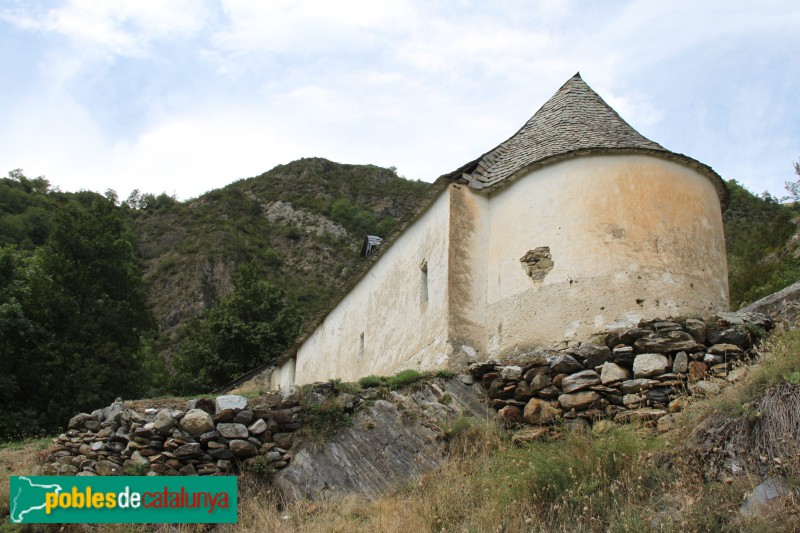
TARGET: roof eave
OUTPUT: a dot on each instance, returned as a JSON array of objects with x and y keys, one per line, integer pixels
[{"x": 716, "y": 180}]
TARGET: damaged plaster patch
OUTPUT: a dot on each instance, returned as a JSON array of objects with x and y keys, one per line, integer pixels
[
  {"x": 469, "y": 350},
  {"x": 572, "y": 329},
  {"x": 537, "y": 263},
  {"x": 617, "y": 232}
]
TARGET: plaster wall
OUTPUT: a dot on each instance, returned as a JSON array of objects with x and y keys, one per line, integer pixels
[
  {"x": 469, "y": 235},
  {"x": 283, "y": 376},
  {"x": 631, "y": 237},
  {"x": 395, "y": 317}
]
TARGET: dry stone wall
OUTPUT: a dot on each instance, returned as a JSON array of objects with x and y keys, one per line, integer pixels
[
  {"x": 209, "y": 437},
  {"x": 383, "y": 438},
  {"x": 639, "y": 374},
  {"x": 643, "y": 373}
]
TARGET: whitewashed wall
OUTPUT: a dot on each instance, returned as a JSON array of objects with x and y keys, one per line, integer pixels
[
  {"x": 386, "y": 323},
  {"x": 283, "y": 376},
  {"x": 631, "y": 237}
]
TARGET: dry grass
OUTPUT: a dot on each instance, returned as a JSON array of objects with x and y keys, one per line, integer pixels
[
  {"x": 577, "y": 483},
  {"x": 617, "y": 479},
  {"x": 17, "y": 459},
  {"x": 613, "y": 479},
  {"x": 758, "y": 417},
  {"x": 574, "y": 484},
  {"x": 171, "y": 402},
  {"x": 772, "y": 425}
]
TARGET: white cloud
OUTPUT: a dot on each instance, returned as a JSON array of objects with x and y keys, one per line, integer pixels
[
  {"x": 635, "y": 108},
  {"x": 498, "y": 47},
  {"x": 303, "y": 28},
  {"x": 422, "y": 85},
  {"x": 118, "y": 27}
]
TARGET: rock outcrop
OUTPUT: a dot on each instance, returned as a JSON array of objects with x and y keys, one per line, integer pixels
[
  {"x": 388, "y": 442},
  {"x": 782, "y": 307}
]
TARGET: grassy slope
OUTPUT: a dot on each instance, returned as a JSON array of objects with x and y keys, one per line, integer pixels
[
  {"x": 17, "y": 459},
  {"x": 615, "y": 479}
]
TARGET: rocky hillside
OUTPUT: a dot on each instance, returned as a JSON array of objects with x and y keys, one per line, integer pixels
[
  {"x": 762, "y": 239},
  {"x": 303, "y": 223}
]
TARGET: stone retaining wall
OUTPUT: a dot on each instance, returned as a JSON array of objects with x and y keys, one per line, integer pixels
[
  {"x": 210, "y": 437},
  {"x": 640, "y": 374}
]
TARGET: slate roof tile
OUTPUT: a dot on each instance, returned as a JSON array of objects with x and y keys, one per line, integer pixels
[
  {"x": 575, "y": 118},
  {"x": 574, "y": 122}
]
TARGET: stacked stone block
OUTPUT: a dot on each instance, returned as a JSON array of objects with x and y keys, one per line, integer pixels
[
  {"x": 210, "y": 437},
  {"x": 637, "y": 374}
]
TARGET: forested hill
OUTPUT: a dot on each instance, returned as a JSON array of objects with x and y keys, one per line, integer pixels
[
  {"x": 302, "y": 223},
  {"x": 101, "y": 296},
  {"x": 763, "y": 245}
]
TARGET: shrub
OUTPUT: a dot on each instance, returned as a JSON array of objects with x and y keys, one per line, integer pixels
[
  {"x": 262, "y": 467},
  {"x": 134, "y": 469},
  {"x": 369, "y": 382},
  {"x": 292, "y": 233},
  {"x": 458, "y": 427},
  {"x": 325, "y": 419},
  {"x": 341, "y": 387},
  {"x": 404, "y": 378},
  {"x": 401, "y": 379},
  {"x": 756, "y": 332}
]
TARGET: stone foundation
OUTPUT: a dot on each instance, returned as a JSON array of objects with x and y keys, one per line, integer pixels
[{"x": 639, "y": 374}]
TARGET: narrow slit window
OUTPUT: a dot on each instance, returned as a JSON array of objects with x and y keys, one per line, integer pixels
[
  {"x": 361, "y": 345},
  {"x": 423, "y": 286}
]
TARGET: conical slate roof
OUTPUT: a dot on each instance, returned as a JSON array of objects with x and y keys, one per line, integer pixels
[{"x": 574, "y": 121}]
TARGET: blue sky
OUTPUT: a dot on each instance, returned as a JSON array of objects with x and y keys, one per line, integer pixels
[{"x": 185, "y": 96}]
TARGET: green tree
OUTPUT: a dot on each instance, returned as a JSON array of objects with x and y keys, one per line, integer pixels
[
  {"x": 139, "y": 200},
  {"x": 18, "y": 332},
  {"x": 25, "y": 210},
  {"x": 39, "y": 184},
  {"x": 249, "y": 327},
  {"x": 757, "y": 228},
  {"x": 72, "y": 316},
  {"x": 793, "y": 188},
  {"x": 96, "y": 312}
]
